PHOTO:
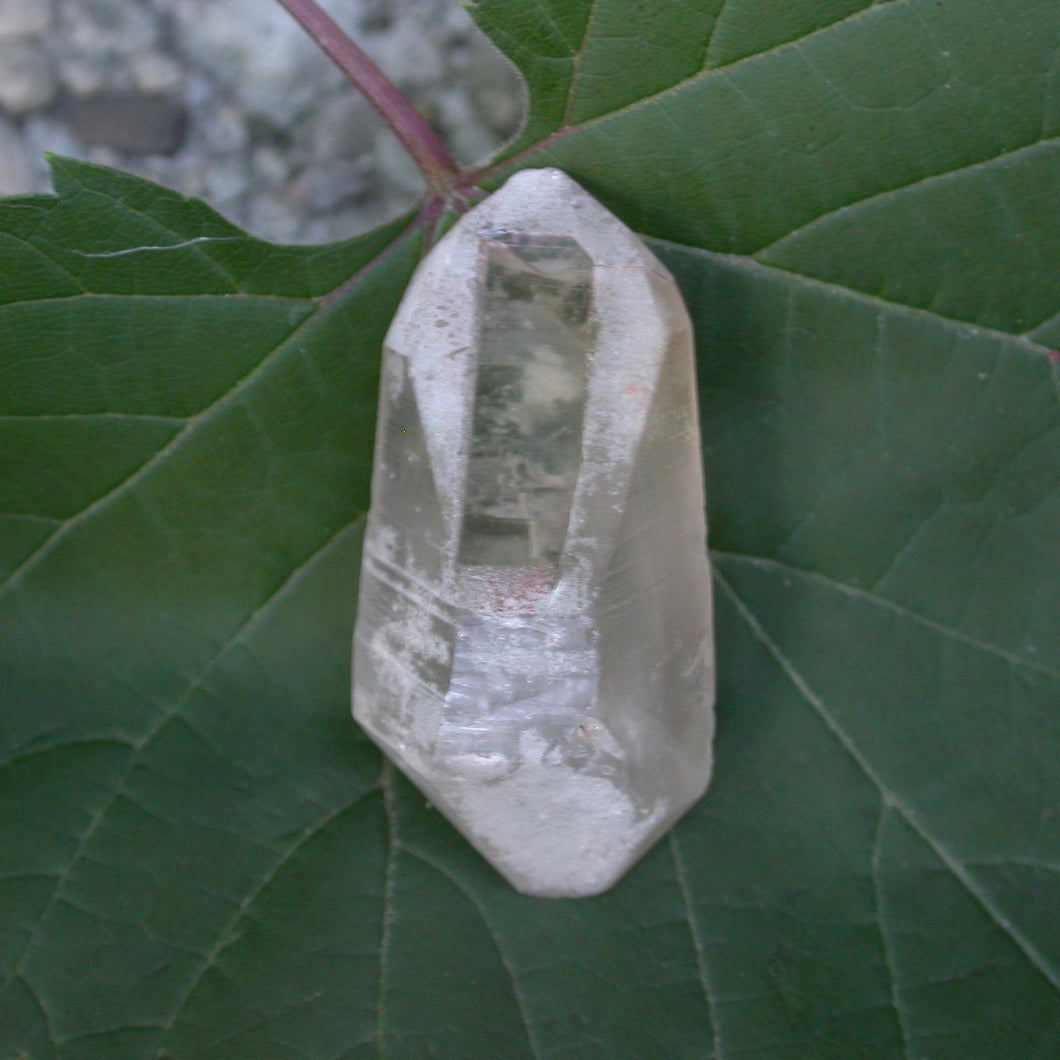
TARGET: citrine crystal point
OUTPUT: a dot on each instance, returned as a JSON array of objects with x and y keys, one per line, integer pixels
[{"x": 534, "y": 638}]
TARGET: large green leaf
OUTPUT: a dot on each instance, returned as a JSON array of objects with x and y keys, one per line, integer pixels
[{"x": 200, "y": 856}]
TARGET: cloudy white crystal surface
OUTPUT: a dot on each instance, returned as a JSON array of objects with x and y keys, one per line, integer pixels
[{"x": 534, "y": 639}]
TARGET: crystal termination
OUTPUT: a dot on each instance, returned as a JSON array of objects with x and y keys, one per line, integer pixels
[{"x": 534, "y": 638}]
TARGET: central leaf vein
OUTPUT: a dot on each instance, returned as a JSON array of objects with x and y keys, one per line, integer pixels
[{"x": 953, "y": 865}]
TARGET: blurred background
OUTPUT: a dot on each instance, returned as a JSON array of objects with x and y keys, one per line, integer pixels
[{"x": 230, "y": 101}]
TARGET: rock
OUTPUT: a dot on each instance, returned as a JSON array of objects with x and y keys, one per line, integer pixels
[
  {"x": 344, "y": 126},
  {"x": 44, "y": 134},
  {"x": 397, "y": 171},
  {"x": 117, "y": 27},
  {"x": 16, "y": 173},
  {"x": 408, "y": 55},
  {"x": 324, "y": 188},
  {"x": 154, "y": 72},
  {"x": 85, "y": 75},
  {"x": 271, "y": 164},
  {"x": 26, "y": 81},
  {"x": 469, "y": 141},
  {"x": 225, "y": 183},
  {"x": 534, "y": 635},
  {"x": 130, "y": 122},
  {"x": 375, "y": 16},
  {"x": 255, "y": 89},
  {"x": 496, "y": 90},
  {"x": 24, "y": 18},
  {"x": 223, "y": 129},
  {"x": 256, "y": 50},
  {"x": 273, "y": 219}
]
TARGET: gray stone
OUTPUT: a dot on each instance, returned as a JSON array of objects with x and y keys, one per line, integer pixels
[
  {"x": 375, "y": 15},
  {"x": 47, "y": 134},
  {"x": 469, "y": 141},
  {"x": 344, "y": 126},
  {"x": 400, "y": 176},
  {"x": 257, "y": 51},
  {"x": 129, "y": 122},
  {"x": 26, "y": 81},
  {"x": 223, "y": 129},
  {"x": 225, "y": 183},
  {"x": 408, "y": 55},
  {"x": 23, "y": 18},
  {"x": 272, "y": 216},
  {"x": 270, "y": 164},
  {"x": 154, "y": 72},
  {"x": 496, "y": 90},
  {"x": 324, "y": 188},
  {"x": 119, "y": 27},
  {"x": 86, "y": 75},
  {"x": 16, "y": 173},
  {"x": 254, "y": 87},
  {"x": 534, "y": 638}
]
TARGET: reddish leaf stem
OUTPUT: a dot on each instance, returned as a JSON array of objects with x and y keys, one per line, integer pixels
[{"x": 428, "y": 152}]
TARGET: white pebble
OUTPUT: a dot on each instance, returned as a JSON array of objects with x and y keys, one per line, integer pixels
[
  {"x": 16, "y": 175},
  {"x": 26, "y": 80},
  {"x": 24, "y": 18}
]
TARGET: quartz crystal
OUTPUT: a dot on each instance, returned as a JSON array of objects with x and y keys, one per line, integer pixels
[{"x": 534, "y": 642}]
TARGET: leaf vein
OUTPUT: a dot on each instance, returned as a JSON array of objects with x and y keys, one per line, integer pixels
[
  {"x": 160, "y": 247},
  {"x": 528, "y": 1029},
  {"x": 140, "y": 746},
  {"x": 117, "y": 417},
  {"x": 709, "y": 44},
  {"x": 227, "y": 936},
  {"x": 1030, "y": 952},
  {"x": 386, "y": 783},
  {"x": 753, "y": 265},
  {"x": 135, "y": 296},
  {"x": 885, "y": 938},
  {"x": 133, "y": 478},
  {"x": 1010, "y": 657},
  {"x": 681, "y": 874},
  {"x": 34, "y": 248},
  {"x": 680, "y": 86},
  {"x": 1041, "y": 327},
  {"x": 157, "y": 226},
  {"x": 577, "y": 58},
  {"x": 546, "y": 14},
  {"x": 928, "y": 180}
]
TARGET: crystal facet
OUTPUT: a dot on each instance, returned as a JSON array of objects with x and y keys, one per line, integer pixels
[{"x": 534, "y": 642}]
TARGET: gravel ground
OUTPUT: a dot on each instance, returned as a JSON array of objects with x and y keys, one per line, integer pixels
[{"x": 230, "y": 101}]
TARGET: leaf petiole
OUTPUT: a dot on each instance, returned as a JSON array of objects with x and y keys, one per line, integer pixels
[{"x": 417, "y": 137}]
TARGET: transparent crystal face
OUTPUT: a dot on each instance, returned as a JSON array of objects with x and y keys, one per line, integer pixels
[
  {"x": 529, "y": 403},
  {"x": 534, "y": 640},
  {"x": 548, "y": 682}
]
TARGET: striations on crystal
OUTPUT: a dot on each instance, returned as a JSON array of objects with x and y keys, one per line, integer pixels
[{"x": 534, "y": 638}]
